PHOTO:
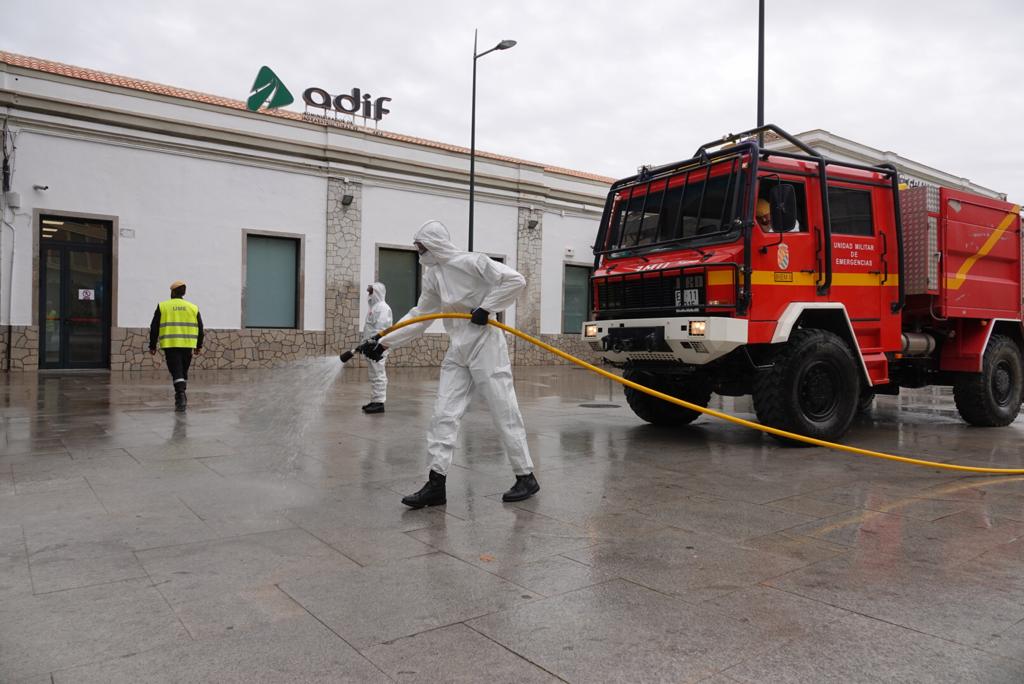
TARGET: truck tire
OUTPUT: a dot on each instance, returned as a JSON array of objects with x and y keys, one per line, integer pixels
[
  {"x": 812, "y": 388},
  {"x": 992, "y": 397},
  {"x": 659, "y": 412}
]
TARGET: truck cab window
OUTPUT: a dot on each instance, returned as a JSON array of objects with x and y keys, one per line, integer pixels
[
  {"x": 697, "y": 204},
  {"x": 850, "y": 211}
]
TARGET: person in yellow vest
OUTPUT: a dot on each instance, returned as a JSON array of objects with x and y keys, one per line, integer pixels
[{"x": 177, "y": 328}]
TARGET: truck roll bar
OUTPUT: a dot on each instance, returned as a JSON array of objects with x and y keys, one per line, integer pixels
[{"x": 810, "y": 154}]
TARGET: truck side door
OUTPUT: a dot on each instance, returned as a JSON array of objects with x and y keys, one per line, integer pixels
[
  {"x": 864, "y": 260},
  {"x": 784, "y": 263}
]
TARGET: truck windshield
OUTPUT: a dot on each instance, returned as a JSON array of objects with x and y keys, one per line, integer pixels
[{"x": 693, "y": 205}]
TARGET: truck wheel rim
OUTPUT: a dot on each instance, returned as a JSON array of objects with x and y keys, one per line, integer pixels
[
  {"x": 818, "y": 391},
  {"x": 1002, "y": 383}
]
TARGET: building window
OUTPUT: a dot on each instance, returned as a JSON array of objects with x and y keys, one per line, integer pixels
[
  {"x": 399, "y": 270},
  {"x": 575, "y": 298},
  {"x": 272, "y": 266},
  {"x": 850, "y": 211}
]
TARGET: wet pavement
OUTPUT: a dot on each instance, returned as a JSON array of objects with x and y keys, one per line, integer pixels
[{"x": 259, "y": 537}]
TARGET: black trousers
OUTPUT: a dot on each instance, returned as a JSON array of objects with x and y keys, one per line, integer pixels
[{"x": 178, "y": 361}]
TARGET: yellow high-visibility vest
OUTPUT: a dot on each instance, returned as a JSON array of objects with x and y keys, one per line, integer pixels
[{"x": 179, "y": 324}]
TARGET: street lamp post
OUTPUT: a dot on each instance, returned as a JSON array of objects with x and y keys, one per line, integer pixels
[
  {"x": 503, "y": 45},
  {"x": 760, "y": 72}
]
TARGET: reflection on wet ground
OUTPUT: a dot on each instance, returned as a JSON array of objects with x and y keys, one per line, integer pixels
[{"x": 259, "y": 537}]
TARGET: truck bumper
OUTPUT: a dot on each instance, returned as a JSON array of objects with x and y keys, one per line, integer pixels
[{"x": 666, "y": 339}]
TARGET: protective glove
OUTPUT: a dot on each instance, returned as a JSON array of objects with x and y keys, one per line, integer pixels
[
  {"x": 375, "y": 352},
  {"x": 479, "y": 316},
  {"x": 367, "y": 344}
]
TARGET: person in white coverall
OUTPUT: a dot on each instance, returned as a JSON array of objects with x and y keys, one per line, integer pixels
[
  {"x": 378, "y": 317},
  {"x": 466, "y": 282}
]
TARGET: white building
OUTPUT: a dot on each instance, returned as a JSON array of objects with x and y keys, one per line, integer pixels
[
  {"x": 115, "y": 187},
  {"x": 842, "y": 149}
]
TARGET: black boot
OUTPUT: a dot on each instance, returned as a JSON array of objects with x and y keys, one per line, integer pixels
[
  {"x": 374, "y": 407},
  {"x": 525, "y": 487},
  {"x": 180, "y": 401},
  {"x": 431, "y": 494}
]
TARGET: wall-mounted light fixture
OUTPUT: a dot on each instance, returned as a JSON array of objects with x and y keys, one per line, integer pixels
[
  {"x": 40, "y": 187},
  {"x": 346, "y": 200},
  {"x": 532, "y": 224}
]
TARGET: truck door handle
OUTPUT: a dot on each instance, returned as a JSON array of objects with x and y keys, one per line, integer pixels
[
  {"x": 885, "y": 262},
  {"x": 817, "y": 252}
]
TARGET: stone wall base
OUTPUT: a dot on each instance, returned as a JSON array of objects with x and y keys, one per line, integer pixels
[
  {"x": 265, "y": 348},
  {"x": 246, "y": 348},
  {"x": 24, "y": 347}
]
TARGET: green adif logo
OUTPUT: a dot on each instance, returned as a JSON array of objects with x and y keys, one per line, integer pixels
[{"x": 268, "y": 86}]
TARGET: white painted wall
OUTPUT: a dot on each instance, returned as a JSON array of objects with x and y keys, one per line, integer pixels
[
  {"x": 187, "y": 213},
  {"x": 560, "y": 233}
]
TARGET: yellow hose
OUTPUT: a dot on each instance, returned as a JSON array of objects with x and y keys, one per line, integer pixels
[{"x": 708, "y": 411}]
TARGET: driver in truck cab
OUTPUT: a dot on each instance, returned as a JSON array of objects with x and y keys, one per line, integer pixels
[{"x": 763, "y": 214}]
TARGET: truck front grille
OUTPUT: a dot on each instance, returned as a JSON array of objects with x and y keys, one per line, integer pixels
[{"x": 666, "y": 292}]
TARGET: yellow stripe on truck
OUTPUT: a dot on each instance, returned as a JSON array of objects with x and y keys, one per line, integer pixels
[
  {"x": 811, "y": 279},
  {"x": 957, "y": 281}
]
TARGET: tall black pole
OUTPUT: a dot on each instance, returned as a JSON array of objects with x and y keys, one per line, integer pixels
[
  {"x": 472, "y": 147},
  {"x": 760, "y": 73}
]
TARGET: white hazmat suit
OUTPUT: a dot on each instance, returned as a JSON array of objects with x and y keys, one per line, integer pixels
[
  {"x": 458, "y": 282},
  {"x": 378, "y": 317}
]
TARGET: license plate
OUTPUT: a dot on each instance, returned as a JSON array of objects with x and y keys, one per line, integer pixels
[{"x": 691, "y": 295}]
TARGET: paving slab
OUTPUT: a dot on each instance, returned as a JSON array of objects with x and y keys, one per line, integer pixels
[
  {"x": 376, "y": 604},
  {"x": 49, "y": 506},
  {"x": 619, "y": 631},
  {"x": 351, "y": 526},
  {"x": 939, "y": 542},
  {"x": 454, "y": 654},
  {"x": 859, "y": 649},
  {"x": 228, "y": 584},
  {"x": 687, "y": 565},
  {"x": 299, "y": 650},
  {"x": 726, "y": 518},
  {"x": 510, "y": 537},
  {"x": 969, "y": 612},
  {"x": 551, "y": 575},
  {"x": 80, "y": 626}
]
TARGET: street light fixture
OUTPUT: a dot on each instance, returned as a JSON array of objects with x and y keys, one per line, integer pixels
[{"x": 503, "y": 45}]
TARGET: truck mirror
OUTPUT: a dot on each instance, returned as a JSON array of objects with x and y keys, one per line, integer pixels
[{"x": 783, "y": 201}]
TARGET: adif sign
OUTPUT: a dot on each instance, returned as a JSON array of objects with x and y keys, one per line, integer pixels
[{"x": 355, "y": 103}]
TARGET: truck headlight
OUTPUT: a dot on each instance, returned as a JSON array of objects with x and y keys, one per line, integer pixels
[
  {"x": 590, "y": 330},
  {"x": 698, "y": 328}
]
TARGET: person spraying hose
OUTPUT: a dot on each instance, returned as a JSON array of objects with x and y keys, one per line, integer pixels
[{"x": 477, "y": 357}]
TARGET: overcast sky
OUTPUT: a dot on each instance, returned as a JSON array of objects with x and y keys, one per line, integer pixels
[{"x": 598, "y": 86}]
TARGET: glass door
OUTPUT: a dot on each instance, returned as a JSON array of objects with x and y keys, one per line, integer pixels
[
  {"x": 74, "y": 297},
  {"x": 51, "y": 296}
]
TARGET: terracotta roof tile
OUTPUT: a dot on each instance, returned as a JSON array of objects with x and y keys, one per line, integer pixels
[{"x": 83, "y": 74}]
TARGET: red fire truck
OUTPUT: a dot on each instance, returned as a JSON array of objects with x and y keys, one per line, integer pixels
[{"x": 808, "y": 283}]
